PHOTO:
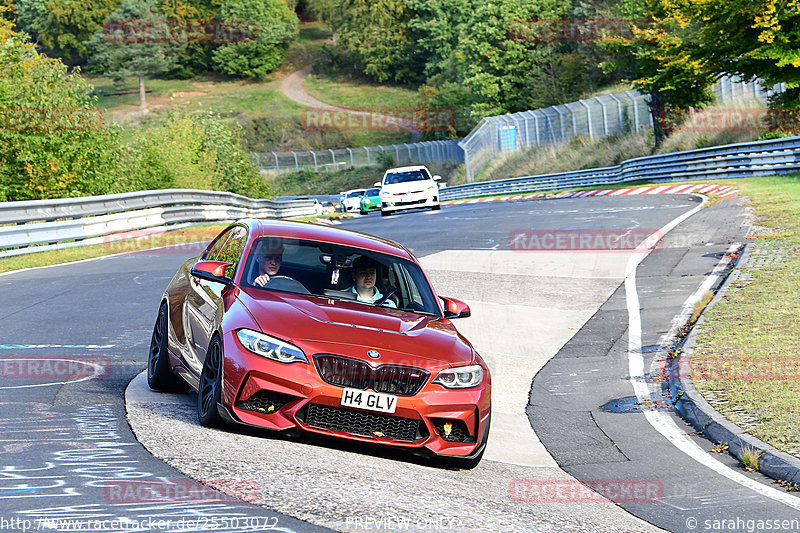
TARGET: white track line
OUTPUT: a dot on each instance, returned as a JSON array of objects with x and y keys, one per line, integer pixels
[{"x": 661, "y": 421}]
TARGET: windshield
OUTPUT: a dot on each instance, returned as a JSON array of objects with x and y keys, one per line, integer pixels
[
  {"x": 372, "y": 192},
  {"x": 402, "y": 177},
  {"x": 355, "y": 194},
  {"x": 330, "y": 271}
]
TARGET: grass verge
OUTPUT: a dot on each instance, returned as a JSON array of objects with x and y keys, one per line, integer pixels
[
  {"x": 747, "y": 357},
  {"x": 352, "y": 93}
]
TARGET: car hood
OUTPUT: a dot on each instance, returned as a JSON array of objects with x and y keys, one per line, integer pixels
[{"x": 343, "y": 327}]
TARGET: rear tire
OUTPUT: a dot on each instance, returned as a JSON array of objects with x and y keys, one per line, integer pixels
[
  {"x": 159, "y": 376},
  {"x": 209, "y": 392}
]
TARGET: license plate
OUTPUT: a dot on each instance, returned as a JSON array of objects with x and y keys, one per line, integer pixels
[{"x": 371, "y": 401}]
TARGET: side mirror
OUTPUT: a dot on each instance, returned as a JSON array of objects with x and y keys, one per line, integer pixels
[
  {"x": 455, "y": 308},
  {"x": 437, "y": 178},
  {"x": 376, "y": 184},
  {"x": 212, "y": 271}
]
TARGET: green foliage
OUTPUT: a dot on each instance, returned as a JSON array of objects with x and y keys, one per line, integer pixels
[
  {"x": 322, "y": 10},
  {"x": 277, "y": 26},
  {"x": 63, "y": 26},
  {"x": 376, "y": 33},
  {"x": 466, "y": 53},
  {"x": 751, "y": 39},
  {"x": 662, "y": 55},
  {"x": 114, "y": 51},
  {"x": 54, "y": 144},
  {"x": 198, "y": 152}
]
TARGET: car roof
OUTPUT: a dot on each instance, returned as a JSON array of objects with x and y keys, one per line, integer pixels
[
  {"x": 352, "y": 190},
  {"x": 407, "y": 169},
  {"x": 328, "y": 234}
]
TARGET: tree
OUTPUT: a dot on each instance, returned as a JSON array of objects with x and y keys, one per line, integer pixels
[
  {"x": 376, "y": 33},
  {"x": 135, "y": 42},
  {"x": 63, "y": 26},
  {"x": 664, "y": 57},
  {"x": 54, "y": 144},
  {"x": 276, "y": 26},
  {"x": 752, "y": 39}
]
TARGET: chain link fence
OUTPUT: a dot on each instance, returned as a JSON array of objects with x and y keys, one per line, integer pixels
[
  {"x": 598, "y": 117},
  {"x": 328, "y": 160}
]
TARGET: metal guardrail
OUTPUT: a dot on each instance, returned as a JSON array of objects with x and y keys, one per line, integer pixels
[
  {"x": 762, "y": 158},
  {"x": 33, "y": 226}
]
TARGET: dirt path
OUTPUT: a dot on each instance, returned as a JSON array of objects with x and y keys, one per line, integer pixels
[{"x": 292, "y": 87}]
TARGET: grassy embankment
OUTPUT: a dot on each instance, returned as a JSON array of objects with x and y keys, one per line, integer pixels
[
  {"x": 747, "y": 358},
  {"x": 270, "y": 120}
]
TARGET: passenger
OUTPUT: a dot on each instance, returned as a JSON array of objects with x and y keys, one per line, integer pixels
[
  {"x": 364, "y": 274},
  {"x": 269, "y": 262}
]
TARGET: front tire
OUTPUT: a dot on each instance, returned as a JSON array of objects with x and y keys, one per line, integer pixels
[
  {"x": 158, "y": 375},
  {"x": 385, "y": 213},
  {"x": 209, "y": 392}
]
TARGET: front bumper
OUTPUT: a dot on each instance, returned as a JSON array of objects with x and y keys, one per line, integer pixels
[
  {"x": 277, "y": 396},
  {"x": 372, "y": 205},
  {"x": 409, "y": 201}
]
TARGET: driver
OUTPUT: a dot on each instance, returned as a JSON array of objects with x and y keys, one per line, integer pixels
[
  {"x": 364, "y": 273},
  {"x": 269, "y": 262}
]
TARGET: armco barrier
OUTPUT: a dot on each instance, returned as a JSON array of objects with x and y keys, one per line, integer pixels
[
  {"x": 34, "y": 226},
  {"x": 762, "y": 158}
]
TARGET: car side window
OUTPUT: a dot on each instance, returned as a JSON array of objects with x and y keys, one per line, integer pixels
[
  {"x": 212, "y": 252},
  {"x": 231, "y": 251}
]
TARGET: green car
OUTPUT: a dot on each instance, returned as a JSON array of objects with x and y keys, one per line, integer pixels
[{"x": 371, "y": 201}]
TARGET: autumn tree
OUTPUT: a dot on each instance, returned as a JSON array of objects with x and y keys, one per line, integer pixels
[
  {"x": 751, "y": 39},
  {"x": 661, "y": 52},
  {"x": 54, "y": 142},
  {"x": 63, "y": 26}
]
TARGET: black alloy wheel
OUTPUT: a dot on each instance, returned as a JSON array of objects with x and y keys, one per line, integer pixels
[
  {"x": 209, "y": 392},
  {"x": 158, "y": 375}
]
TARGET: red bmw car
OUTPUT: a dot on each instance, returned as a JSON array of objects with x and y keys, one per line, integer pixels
[{"x": 287, "y": 325}]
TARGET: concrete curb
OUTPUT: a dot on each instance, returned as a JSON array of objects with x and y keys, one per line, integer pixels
[{"x": 696, "y": 410}]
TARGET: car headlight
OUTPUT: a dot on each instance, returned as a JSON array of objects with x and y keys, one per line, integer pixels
[
  {"x": 460, "y": 377},
  {"x": 431, "y": 188},
  {"x": 386, "y": 194},
  {"x": 270, "y": 347}
]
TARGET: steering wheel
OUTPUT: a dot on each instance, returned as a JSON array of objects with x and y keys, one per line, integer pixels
[
  {"x": 286, "y": 284},
  {"x": 386, "y": 297}
]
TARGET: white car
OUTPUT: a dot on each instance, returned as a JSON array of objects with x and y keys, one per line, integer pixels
[
  {"x": 408, "y": 188},
  {"x": 351, "y": 200}
]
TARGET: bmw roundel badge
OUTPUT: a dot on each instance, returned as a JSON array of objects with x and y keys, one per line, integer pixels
[{"x": 373, "y": 354}]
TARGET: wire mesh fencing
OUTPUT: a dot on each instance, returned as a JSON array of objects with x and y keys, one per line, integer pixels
[
  {"x": 598, "y": 117},
  {"x": 330, "y": 160},
  {"x": 595, "y": 118}
]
